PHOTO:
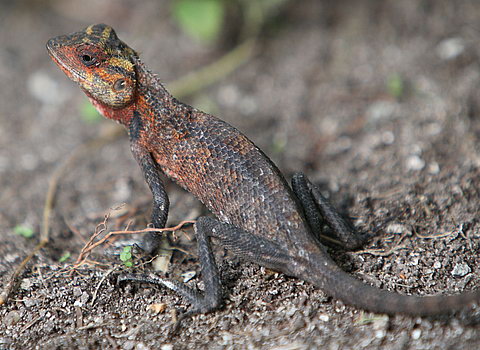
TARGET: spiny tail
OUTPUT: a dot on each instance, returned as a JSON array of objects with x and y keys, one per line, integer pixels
[{"x": 325, "y": 274}]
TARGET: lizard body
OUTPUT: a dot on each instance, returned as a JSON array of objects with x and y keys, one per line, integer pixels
[{"x": 259, "y": 216}]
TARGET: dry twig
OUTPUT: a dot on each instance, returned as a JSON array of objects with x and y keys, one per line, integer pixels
[
  {"x": 91, "y": 244},
  {"x": 383, "y": 252}
]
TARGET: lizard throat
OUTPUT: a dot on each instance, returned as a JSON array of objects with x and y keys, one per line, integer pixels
[{"x": 121, "y": 115}]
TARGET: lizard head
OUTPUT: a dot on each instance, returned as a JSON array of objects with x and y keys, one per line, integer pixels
[{"x": 99, "y": 62}]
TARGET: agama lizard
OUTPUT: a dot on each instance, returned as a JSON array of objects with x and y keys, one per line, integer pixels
[{"x": 259, "y": 217}]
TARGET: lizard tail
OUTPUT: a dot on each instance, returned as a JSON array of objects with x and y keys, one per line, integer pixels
[{"x": 326, "y": 275}]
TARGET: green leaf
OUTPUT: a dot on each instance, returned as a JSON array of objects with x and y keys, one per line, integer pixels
[
  {"x": 126, "y": 256},
  {"x": 89, "y": 113},
  {"x": 24, "y": 231},
  {"x": 396, "y": 85},
  {"x": 64, "y": 257},
  {"x": 201, "y": 19}
]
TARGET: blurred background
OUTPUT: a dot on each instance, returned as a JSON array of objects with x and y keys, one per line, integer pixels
[{"x": 376, "y": 100}]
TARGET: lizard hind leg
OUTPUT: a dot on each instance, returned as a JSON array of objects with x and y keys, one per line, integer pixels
[
  {"x": 318, "y": 211},
  {"x": 241, "y": 243},
  {"x": 249, "y": 246}
]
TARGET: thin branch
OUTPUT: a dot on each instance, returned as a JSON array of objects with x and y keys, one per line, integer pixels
[
  {"x": 86, "y": 250},
  {"x": 383, "y": 252},
  {"x": 213, "y": 72},
  {"x": 94, "y": 296}
]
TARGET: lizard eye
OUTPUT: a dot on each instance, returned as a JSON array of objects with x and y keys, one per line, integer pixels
[
  {"x": 88, "y": 60},
  {"x": 120, "y": 84}
]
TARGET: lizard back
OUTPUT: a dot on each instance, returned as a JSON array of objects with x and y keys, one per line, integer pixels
[{"x": 217, "y": 164}]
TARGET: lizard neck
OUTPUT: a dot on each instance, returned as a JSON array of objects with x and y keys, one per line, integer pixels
[
  {"x": 153, "y": 103},
  {"x": 150, "y": 91},
  {"x": 120, "y": 115}
]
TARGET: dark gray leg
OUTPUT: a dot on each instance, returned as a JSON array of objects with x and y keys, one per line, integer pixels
[
  {"x": 151, "y": 172},
  {"x": 249, "y": 246},
  {"x": 241, "y": 243},
  {"x": 319, "y": 211},
  {"x": 202, "y": 302}
]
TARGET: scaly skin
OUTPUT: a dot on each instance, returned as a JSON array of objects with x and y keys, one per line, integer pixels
[{"x": 259, "y": 217}]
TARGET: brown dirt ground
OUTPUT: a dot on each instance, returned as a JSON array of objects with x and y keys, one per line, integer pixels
[{"x": 315, "y": 98}]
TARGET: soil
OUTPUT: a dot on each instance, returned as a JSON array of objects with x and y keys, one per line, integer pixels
[{"x": 377, "y": 101}]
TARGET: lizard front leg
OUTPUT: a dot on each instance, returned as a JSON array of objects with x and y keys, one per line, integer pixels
[
  {"x": 204, "y": 302},
  {"x": 151, "y": 172},
  {"x": 319, "y": 211}
]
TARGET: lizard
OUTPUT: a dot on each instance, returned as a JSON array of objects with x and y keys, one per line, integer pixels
[{"x": 258, "y": 216}]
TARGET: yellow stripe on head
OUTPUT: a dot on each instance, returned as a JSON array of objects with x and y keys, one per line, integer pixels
[
  {"x": 121, "y": 62},
  {"x": 106, "y": 34},
  {"x": 89, "y": 29}
]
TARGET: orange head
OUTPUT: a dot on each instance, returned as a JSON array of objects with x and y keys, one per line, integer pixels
[{"x": 100, "y": 63}]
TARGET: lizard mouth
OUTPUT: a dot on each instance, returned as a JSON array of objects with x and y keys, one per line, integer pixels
[{"x": 62, "y": 61}]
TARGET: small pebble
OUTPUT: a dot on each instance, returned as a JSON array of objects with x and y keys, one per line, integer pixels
[
  {"x": 381, "y": 110},
  {"x": 414, "y": 261},
  {"x": 433, "y": 168},
  {"x": 415, "y": 163},
  {"x": 381, "y": 322},
  {"x": 77, "y": 291},
  {"x": 30, "y": 302},
  {"x": 396, "y": 228},
  {"x": 26, "y": 284},
  {"x": 460, "y": 270},
  {"x": 188, "y": 275},
  {"x": 84, "y": 298},
  {"x": 11, "y": 318},
  {"x": 324, "y": 317},
  {"x": 416, "y": 334},
  {"x": 128, "y": 345},
  {"x": 380, "y": 334},
  {"x": 450, "y": 48},
  {"x": 141, "y": 346},
  {"x": 157, "y": 308},
  {"x": 388, "y": 137}
]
